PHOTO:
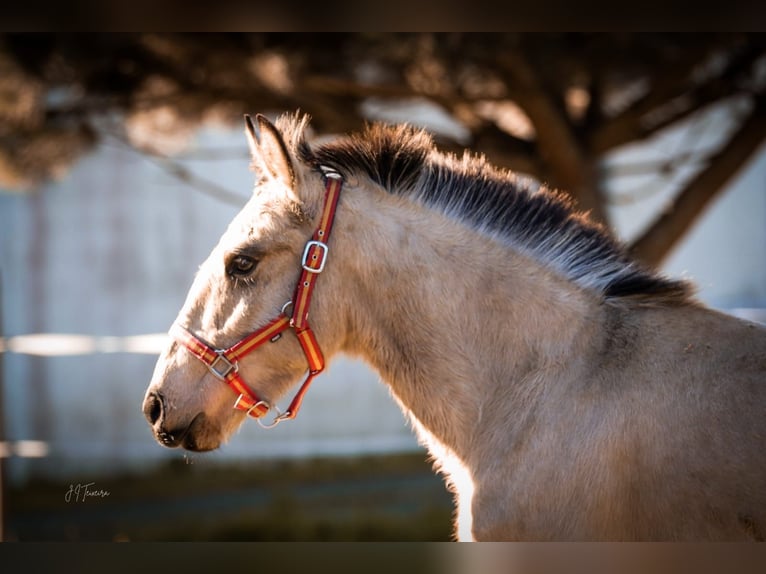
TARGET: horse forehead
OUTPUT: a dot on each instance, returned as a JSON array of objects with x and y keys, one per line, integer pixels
[{"x": 258, "y": 218}]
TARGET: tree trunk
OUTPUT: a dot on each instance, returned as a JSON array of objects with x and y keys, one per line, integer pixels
[{"x": 655, "y": 244}]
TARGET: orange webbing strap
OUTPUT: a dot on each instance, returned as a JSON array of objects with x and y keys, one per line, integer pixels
[
  {"x": 251, "y": 342},
  {"x": 313, "y": 262},
  {"x": 194, "y": 345},
  {"x": 295, "y": 404},
  {"x": 247, "y": 400},
  {"x": 315, "y": 254},
  {"x": 316, "y": 365},
  {"x": 223, "y": 363}
]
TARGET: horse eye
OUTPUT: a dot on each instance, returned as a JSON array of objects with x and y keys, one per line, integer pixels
[{"x": 240, "y": 266}]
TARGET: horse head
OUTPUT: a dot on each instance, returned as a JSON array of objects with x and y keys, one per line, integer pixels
[{"x": 247, "y": 286}]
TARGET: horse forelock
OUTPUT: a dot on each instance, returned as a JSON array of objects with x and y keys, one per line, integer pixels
[{"x": 531, "y": 218}]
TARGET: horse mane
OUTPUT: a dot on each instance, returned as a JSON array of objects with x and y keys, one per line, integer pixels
[{"x": 533, "y": 219}]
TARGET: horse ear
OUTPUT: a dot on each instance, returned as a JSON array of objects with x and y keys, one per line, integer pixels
[
  {"x": 268, "y": 150},
  {"x": 253, "y": 138}
]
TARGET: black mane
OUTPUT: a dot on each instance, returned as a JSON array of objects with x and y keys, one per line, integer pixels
[{"x": 533, "y": 219}]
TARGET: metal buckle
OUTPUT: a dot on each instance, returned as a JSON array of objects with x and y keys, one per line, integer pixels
[
  {"x": 228, "y": 366},
  {"x": 304, "y": 259},
  {"x": 248, "y": 411},
  {"x": 330, "y": 172}
]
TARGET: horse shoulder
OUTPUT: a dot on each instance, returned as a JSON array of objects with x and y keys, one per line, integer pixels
[
  {"x": 691, "y": 387},
  {"x": 657, "y": 433}
]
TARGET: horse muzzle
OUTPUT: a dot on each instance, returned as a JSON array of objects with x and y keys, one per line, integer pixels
[{"x": 180, "y": 435}]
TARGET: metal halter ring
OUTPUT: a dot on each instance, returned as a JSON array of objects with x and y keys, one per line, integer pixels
[
  {"x": 281, "y": 416},
  {"x": 278, "y": 419}
]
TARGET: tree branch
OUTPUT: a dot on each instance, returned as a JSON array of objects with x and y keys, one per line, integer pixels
[
  {"x": 632, "y": 125},
  {"x": 654, "y": 245},
  {"x": 181, "y": 173},
  {"x": 557, "y": 141},
  {"x": 667, "y": 83}
]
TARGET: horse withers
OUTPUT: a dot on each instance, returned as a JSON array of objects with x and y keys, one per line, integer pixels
[{"x": 564, "y": 391}]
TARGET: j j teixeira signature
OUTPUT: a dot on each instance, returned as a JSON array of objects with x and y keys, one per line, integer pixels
[{"x": 81, "y": 492}]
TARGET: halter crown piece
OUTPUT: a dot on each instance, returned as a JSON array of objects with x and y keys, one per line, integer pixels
[{"x": 224, "y": 363}]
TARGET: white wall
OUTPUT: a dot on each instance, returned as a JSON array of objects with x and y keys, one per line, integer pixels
[{"x": 724, "y": 253}]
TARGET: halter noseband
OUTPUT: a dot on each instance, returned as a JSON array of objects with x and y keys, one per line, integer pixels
[{"x": 224, "y": 363}]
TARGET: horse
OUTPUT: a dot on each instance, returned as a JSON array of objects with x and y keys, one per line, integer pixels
[{"x": 563, "y": 390}]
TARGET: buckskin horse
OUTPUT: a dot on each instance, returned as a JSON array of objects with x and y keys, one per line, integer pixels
[{"x": 564, "y": 391}]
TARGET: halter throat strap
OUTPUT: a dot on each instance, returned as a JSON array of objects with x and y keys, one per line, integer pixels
[{"x": 224, "y": 363}]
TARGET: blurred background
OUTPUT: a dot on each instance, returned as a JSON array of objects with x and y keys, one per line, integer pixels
[{"x": 122, "y": 160}]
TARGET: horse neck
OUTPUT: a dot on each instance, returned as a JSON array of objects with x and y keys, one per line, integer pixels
[{"x": 451, "y": 318}]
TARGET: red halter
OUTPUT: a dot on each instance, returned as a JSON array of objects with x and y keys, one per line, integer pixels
[{"x": 223, "y": 363}]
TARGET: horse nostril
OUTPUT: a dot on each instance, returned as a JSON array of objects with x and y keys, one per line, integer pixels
[
  {"x": 167, "y": 438},
  {"x": 153, "y": 408}
]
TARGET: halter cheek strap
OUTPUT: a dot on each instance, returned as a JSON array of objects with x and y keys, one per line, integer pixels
[{"x": 224, "y": 363}]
